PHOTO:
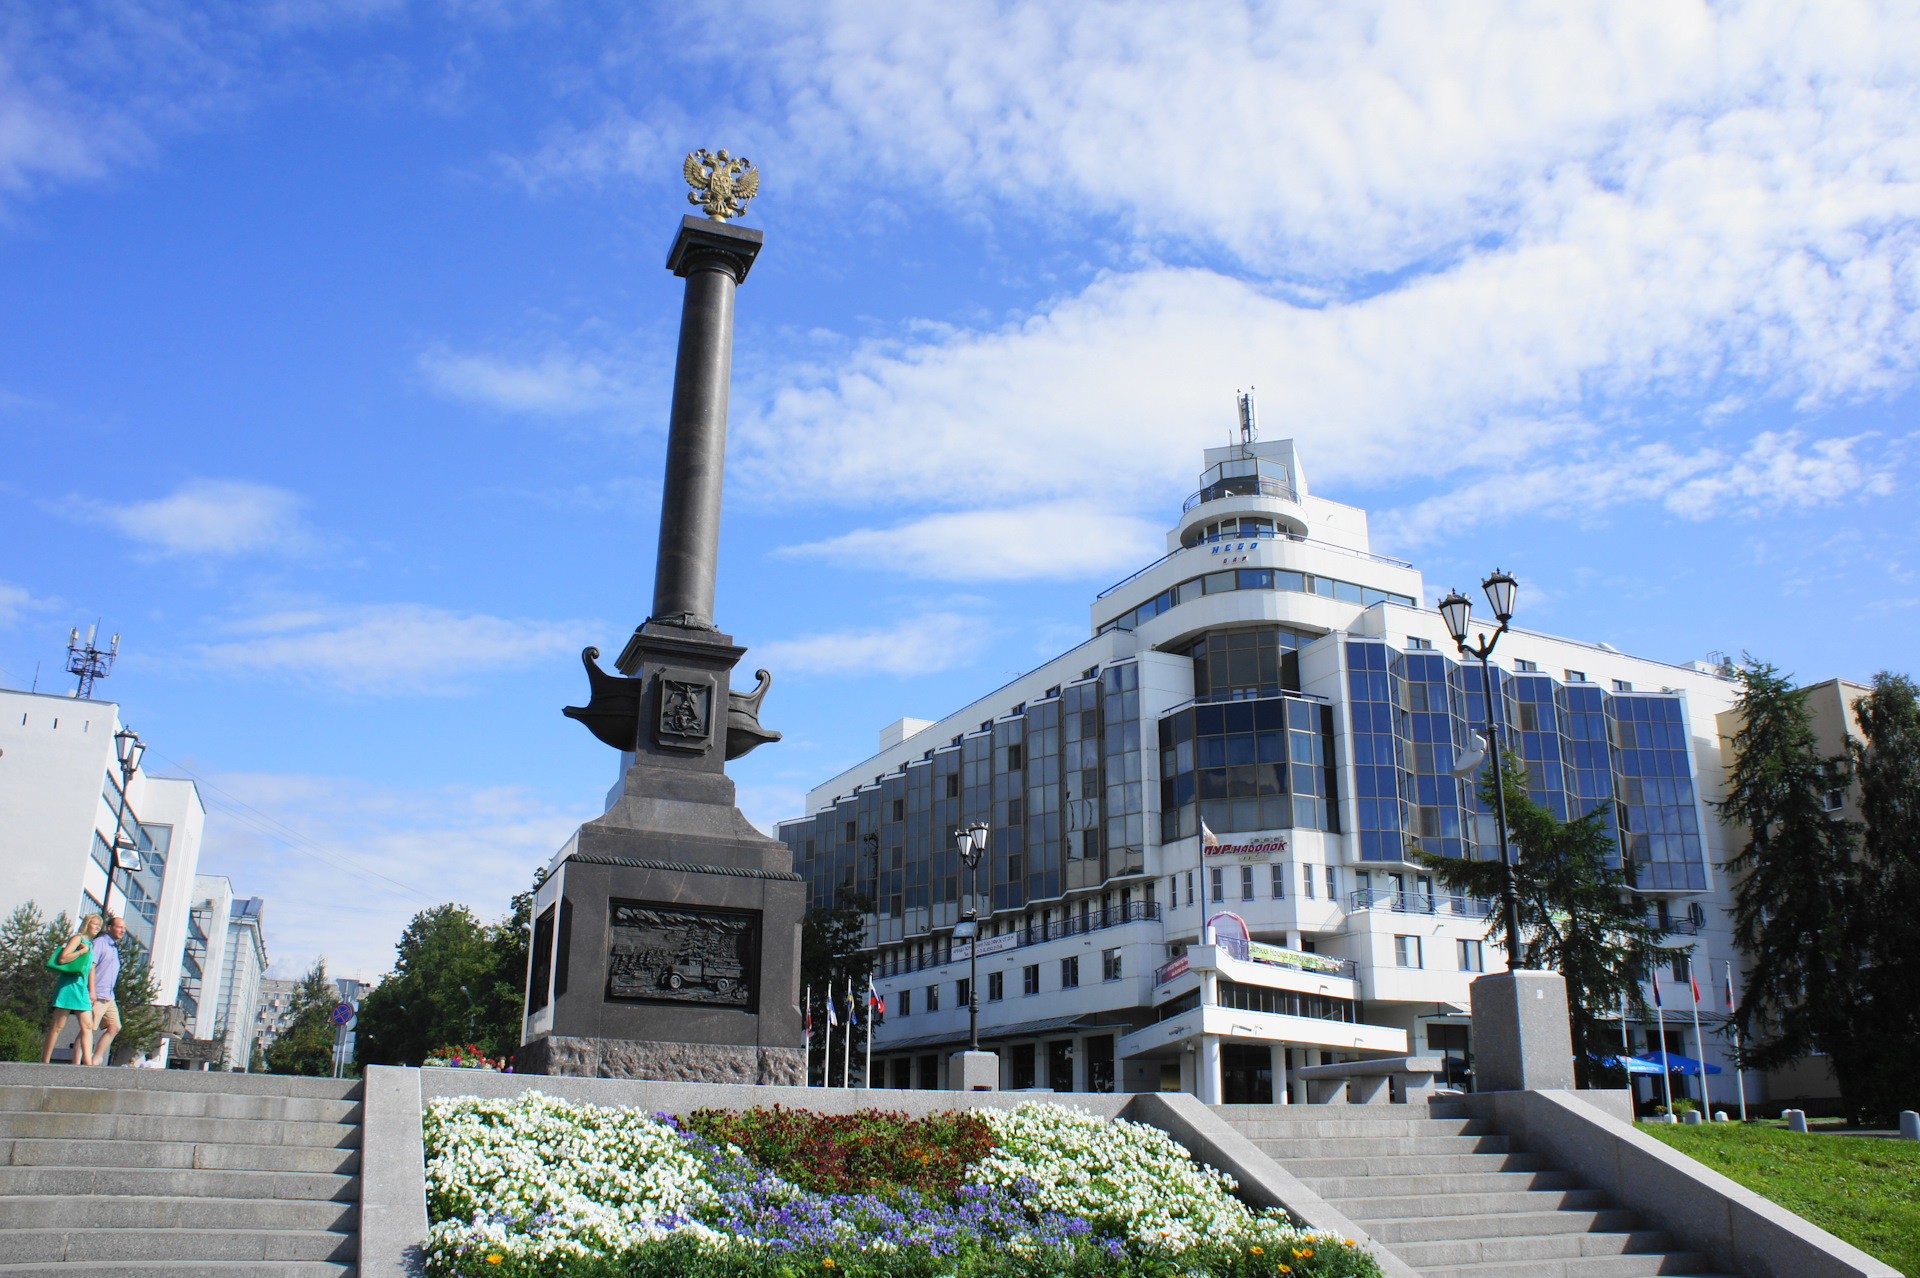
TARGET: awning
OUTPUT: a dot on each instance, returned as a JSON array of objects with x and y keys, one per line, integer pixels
[
  {"x": 1674, "y": 1062},
  {"x": 1632, "y": 1064},
  {"x": 994, "y": 1033}
]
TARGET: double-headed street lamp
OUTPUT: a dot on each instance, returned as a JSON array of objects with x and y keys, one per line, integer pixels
[
  {"x": 129, "y": 748},
  {"x": 1457, "y": 609},
  {"x": 973, "y": 845}
]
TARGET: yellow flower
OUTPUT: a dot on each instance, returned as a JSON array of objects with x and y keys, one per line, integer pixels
[
  {"x": 1285, "y": 1269},
  {"x": 826, "y": 1262},
  {"x": 1258, "y": 1251},
  {"x": 1303, "y": 1253},
  {"x": 493, "y": 1260}
]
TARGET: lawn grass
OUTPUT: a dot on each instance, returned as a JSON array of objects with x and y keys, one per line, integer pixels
[{"x": 1858, "y": 1188}]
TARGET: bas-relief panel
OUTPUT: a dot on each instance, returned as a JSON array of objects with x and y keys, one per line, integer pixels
[{"x": 682, "y": 955}]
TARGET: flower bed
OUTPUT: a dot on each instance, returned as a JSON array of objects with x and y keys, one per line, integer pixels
[{"x": 536, "y": 1185}]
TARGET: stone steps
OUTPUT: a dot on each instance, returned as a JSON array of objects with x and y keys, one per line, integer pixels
[
  {"x": 135, "y": 1172},
  {"x": 1453, "y": 1198}
]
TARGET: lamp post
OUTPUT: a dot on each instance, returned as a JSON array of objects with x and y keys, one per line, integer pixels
[
  {"x": 1457, "y": 609},
  {"x": 129, "y": 748},
  {"x": 973, "y": 843}
]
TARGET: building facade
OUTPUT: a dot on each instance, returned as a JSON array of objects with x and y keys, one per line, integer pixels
[
  {"x": 1201, "y": 816},
  {"x": 222, "y": 976},
  {"x": 62, "y": 810}
]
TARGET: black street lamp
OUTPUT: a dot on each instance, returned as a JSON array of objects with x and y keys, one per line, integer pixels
[
  {"x": 129, "y": 748},
  {"x": 973, "y": 843},
  {"x": 1457, "y": 609}
]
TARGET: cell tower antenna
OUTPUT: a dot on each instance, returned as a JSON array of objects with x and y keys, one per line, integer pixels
[
  {"x": 88, "y": 661},
  {"x": 1249, "y": 423}
]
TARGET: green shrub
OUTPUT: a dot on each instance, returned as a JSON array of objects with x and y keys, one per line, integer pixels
[
  {"x": 868, "y": 1152},
  {"x": 20, "y": 1039}
]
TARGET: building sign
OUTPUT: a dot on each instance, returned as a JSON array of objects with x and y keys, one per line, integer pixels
[
  {"x": 1256, "y": 851},
  {"x": 1281, "y": 956},
  {"x": 992, "y": 945}
]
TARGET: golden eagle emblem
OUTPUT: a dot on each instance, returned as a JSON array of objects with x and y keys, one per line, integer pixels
[{"x": 722, "y": 184}]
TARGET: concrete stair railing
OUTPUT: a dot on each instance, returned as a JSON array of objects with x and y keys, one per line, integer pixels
[
  {"x": 1452, "y": 1198},
  {"x": 109, "y": 1172}
]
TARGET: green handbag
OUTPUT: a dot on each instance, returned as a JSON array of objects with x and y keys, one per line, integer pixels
[{"x": 78, "y": 963}]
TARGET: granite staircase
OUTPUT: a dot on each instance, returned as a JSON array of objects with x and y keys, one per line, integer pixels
[
  {"x": 113, "y": 1173},
  {"x": 1454, "y": 1199}
]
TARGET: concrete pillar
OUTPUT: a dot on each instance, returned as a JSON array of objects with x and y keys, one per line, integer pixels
[
  {"x": 1280, "y": 1055},
  {"x": 1909, "y": 1125},
  {"x": 1521, "y": 1034},
  {"x": 973, "y": 1072},
  {"x": 1209, "y": 1067},
  {"x": 1796, "y": 1120}
]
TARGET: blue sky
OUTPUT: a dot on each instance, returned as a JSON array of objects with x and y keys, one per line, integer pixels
[{"x": 334, "y": 369}]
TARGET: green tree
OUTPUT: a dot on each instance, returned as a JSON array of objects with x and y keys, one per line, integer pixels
[
  {"x": 134, "y": 990},
  {"x": 26, "y": 986},
  {"x": 1576, "y": 915},
  {"x": 454, "y": 981},
  {"x": 306, "y": 1046},
  {"x": 832, "y": 960},
  {"x": 1886, "y": 929},
  {"x": 1796, "y": 884}
]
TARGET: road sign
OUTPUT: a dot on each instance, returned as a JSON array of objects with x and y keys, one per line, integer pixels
[{"x": 343, "y": 1013}]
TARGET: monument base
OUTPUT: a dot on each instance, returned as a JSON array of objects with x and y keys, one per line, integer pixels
[
  {"x": 1522, "y": 1040},
  {"x": 973, "y": 1072},
  {"x": 662, "y": 1062}
]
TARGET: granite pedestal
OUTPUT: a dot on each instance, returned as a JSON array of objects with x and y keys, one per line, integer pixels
[{"x": 1522, "y": 1038}]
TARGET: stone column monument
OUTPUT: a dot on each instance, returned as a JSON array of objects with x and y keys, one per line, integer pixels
[{"x": 666, "y": 937}]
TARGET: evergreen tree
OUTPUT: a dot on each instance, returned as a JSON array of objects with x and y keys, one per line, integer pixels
[
  {"x": 1576, "y": 917},
  {"x": 306, "y": 1046},
  {"x": 26, "y": 986},
  {"x": 830, "y": 958},
  {"x": 1887, "y": 928},
  {"x": 1796, "y": 891},
  {"x": 134, "y": 990}
]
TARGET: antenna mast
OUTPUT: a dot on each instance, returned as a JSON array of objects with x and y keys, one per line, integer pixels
[
  {"x": 89, "y": 662},
  {"x": 1249, "y": 424}
]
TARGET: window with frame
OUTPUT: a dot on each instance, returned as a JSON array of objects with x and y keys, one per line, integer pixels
[
  {"x": 962, "y": 992},
  {"x": 1030, "y": 979},
  {"x": 933, "y": 998},
  {"x": 1189, "y": 887},
  {"x": 1576, "y": 676},
  {"x": 1682, "y": 968},
  {"x": 1333, "y": 885},
  {"x": 996, "y": 986},
  {"x": 1306, "y": 880},
  {"x": 1219, "y": 884},
  {"x": 1406, "y": 951},
  {"x": 1470, "y": 957},
  {"x": 1621, "y": 685},
  {"x": 1246, "y": 882},
  {"x": 1414, "y": 641},
  {"x": 1070, "y": 972},
  {"x": 1834, "y": 800},
  {"x": 1279, "y": 880},
  {"x": 1525, "y": 667},
  {"x": 1110, "y": 965},
  {"x": 904, "y": 1003}
]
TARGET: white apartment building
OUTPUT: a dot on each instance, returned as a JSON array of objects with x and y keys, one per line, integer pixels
[
  {"x": 223, "y": 970},
  {"x": 1272, "y": 681},
  {"x": 60, "y": 807}
]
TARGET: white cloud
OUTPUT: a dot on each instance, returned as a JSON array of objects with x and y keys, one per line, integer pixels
[
  {"x": 211, "y": 517},
  {"x": 389, "y": 648},
  {"x": 344, "y": 863},
  {"x": 1062, "y": 539},
  {"x": 1455, "y": 235},
  {"x": 919, "y": 645},
  {"x": 1777, "y": 471},
  {"x": 554, "y": 384},
  {"x": 17, "y": 601}
]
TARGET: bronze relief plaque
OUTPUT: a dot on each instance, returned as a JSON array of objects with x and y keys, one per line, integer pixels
[
  {"x": 685, "y": 720},
  {"x": 683, "y": 955}
]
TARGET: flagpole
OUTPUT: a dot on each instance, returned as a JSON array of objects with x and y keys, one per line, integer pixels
[
  {"x": 1626, "y": 1049},
  {"x": 806, "y": 1036},
  {"x": 1666, "y": 1066},
  {"x": 1699, "y": 1046},
  {"x": 866, "y": 1068},
  {"x": 1739, "y": 1046},
  {"x": 846, "y": 1067}
]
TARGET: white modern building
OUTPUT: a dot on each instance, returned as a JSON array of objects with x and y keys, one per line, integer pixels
[
  {"x": 60, "y": 808},
  {"x": 223, "y": 971},
  {"x": 1272, "y": 681}
]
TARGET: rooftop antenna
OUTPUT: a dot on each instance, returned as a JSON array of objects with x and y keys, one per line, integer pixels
[
  {"x": 87, "y": 661},
  {"x": 1249, "y": 424}
]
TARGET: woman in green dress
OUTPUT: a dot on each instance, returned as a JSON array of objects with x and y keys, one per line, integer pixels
[{"x": 74, "y": 962}]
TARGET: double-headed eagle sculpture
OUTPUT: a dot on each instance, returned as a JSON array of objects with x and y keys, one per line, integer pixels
[{"x": 722, "y": 184}]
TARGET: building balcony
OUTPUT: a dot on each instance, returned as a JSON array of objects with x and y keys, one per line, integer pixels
[
  {"x": 1241, "y": 486},
  {"x": 1054, "y": 930},
  {"x": 1466, "y": 907}
]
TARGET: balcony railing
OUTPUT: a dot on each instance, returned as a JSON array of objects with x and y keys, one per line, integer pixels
[
  {"x": 1468, "y": 907},
  {"x": 1052, "y": 930},
  {"x": 1241, "y": 486}
]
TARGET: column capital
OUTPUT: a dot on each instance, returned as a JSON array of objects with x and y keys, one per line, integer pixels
[{"x": 706, "y": 245}]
